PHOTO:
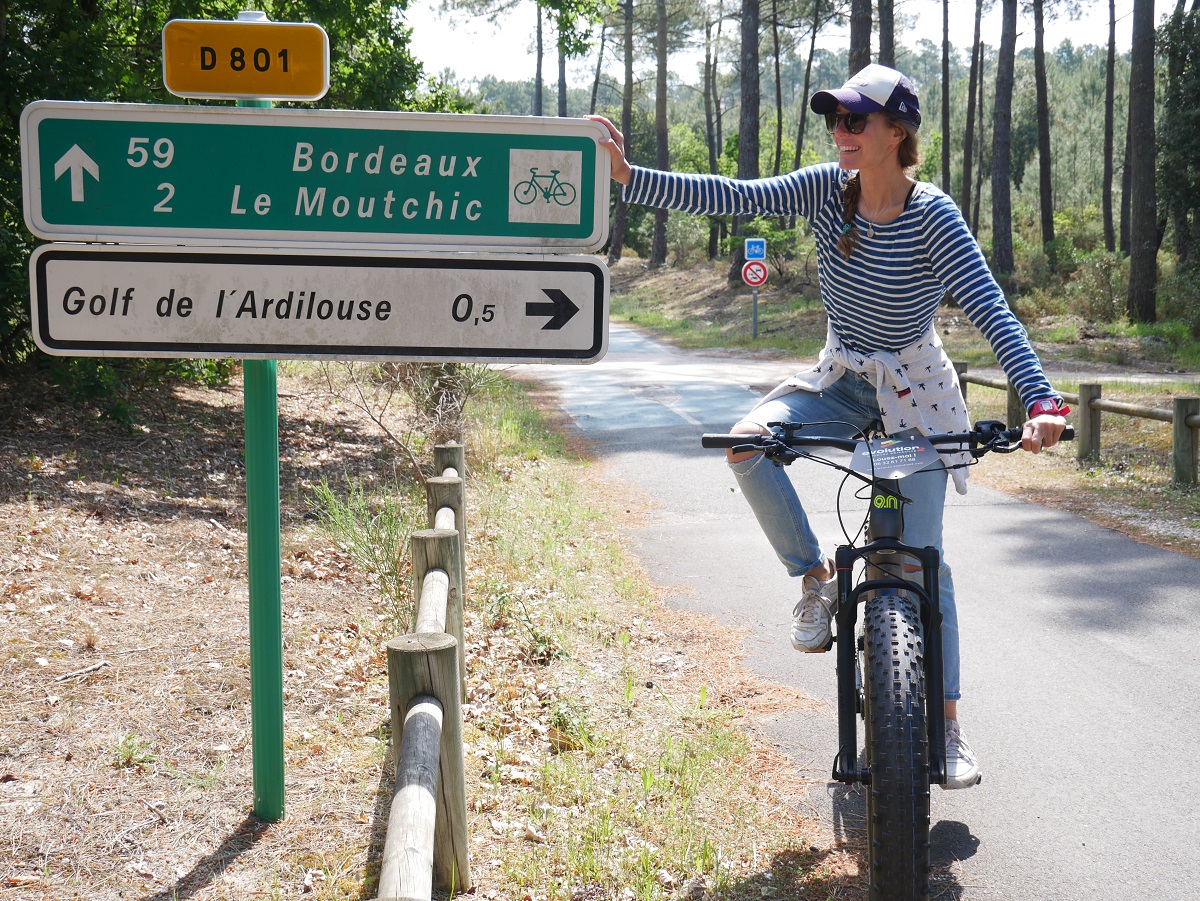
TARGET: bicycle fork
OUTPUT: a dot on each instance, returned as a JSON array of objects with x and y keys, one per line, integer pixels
[{"x": 885, "y": 553}]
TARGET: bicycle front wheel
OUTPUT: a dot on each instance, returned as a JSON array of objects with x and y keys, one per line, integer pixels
[{"x": 897, "y": 749}]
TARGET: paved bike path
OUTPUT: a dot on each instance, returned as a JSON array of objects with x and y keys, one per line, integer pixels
[{"x": 1080, "y": 647}]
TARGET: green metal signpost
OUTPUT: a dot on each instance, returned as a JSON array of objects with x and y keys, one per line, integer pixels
[{"x": 99, "y": 172}]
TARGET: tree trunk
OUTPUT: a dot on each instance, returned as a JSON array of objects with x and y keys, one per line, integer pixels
[
  {"x": 1045, "y": 162},
  {"x": 1143, "y": 210},
  {"x": 887, "y": 34},
  {"x": 969, "y": 131},
  {"x": 658, "y": 250},
  {"x": 981, "y": 140},
  {"x": 616, "y": 243},
  {"x": 1002, "y": 243},
  {"x": 599, "y": 68},
  {"x": 812, "y": 49},
  {"x": 945, "y": 96},
  {"x": 1106, "y": 191},
  {"x": 1126, "y": 181},
  {"x": 1176, "y": 64},
  {"x": 860, "y": 34},
  {"x": 748, "y": 139},
  {"x": 710, "y": 129},
  {"x": 720, "y": 110},
  {"x": 778, "y": 89},
  {"x": 537, "y": 80},
  {"x": 562, "y": 82}
]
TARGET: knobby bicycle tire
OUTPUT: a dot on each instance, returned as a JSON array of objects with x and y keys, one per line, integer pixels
[{"x": 897, "y": 749}]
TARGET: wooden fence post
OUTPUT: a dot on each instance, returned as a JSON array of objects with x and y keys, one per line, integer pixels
[
  {"x": 446, "y": 493},
  {"x": 1016, "y": 413},
  {"x": 450, "y": 456},
  {"x": 407, "y": 868},
  {"x": 428, "y": 665},
  {"x": 1184, "y": 440},
  {"x": 435, "y": 550},
  {"x": 447, "y": 510},
  {"x": 1087, "y": 439},
  {"x": 961, "y": 370}
]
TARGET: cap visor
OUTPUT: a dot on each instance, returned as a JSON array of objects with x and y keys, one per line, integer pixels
[{"x": 827, "y": 102}]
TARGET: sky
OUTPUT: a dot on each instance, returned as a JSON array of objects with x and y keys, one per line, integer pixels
[{"x": 474, "y": 49}]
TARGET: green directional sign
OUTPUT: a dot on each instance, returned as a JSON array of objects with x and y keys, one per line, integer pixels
[{"x": 212, "y": 175}]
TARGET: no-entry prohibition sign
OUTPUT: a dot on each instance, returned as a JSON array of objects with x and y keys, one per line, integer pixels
[{"x": 754, "y": 273}]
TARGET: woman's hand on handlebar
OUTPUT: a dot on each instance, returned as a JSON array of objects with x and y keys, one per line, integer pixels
[
  {"x": 615, "y": 145},
  {"x": 1042, "y": 432}
]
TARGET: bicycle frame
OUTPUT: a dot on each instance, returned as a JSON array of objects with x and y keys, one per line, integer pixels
[{"x": 886, "y": 553}]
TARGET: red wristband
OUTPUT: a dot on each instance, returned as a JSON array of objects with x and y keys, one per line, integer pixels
[{"x": 1048, "y": 407}]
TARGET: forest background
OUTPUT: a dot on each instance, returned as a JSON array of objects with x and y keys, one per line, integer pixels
[{"x": 1084, "y": 202}]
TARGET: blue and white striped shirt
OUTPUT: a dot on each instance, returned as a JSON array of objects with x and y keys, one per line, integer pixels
[{"x": 885, "y": 296}]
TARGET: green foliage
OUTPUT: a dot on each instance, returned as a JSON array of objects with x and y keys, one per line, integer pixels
[
  {"x": 131, "y": 753},
  {"x": 373, "y": 528},
  {"x": 687, "y": 239},
  {"x": 689, "y": 152},
  {"x": 575, "y": 20},
  {"x": 781, "y": 243},
  {"x": 1179, "y": 125},
  {"x": 113, "y": 386},
  {"x": 1098, "y": 288},
  {"x": 930, "y": 167},
  {"x": 639, "y": 150},
  {"x": 1179, "y": 297}
]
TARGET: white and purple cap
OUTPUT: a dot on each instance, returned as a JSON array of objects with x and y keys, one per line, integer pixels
[{"x": 873, "y": 89}]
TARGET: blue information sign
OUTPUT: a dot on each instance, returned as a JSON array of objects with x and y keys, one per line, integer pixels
[{"x": 756, "y": 248}]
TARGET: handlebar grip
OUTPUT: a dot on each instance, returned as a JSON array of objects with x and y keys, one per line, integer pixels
[
  {"x": 1068, "y": 434},
  {"x": 712, "y": 440}
]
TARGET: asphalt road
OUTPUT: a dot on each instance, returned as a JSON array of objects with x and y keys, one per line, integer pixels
[{"x": 1081, "y": 690}]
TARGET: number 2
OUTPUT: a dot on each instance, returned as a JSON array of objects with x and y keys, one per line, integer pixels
[{"x": 161, "y": 206}]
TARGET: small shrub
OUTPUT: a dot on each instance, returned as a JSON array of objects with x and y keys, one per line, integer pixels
[
  {"x": 687, "y": 239},
  {"x": 374, "y": 531},
  {"x": 1098, "y": 289},
  {"x": 1179, "y": 296}
]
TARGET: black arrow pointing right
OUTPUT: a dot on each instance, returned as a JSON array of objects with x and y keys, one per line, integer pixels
[{"x": 560, "y": 309}]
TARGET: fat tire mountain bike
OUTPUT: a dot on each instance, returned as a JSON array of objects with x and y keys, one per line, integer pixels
[{"x": 889, "y": 667}]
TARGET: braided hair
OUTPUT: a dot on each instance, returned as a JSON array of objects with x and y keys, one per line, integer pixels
[{"x": 908, "y": 154}]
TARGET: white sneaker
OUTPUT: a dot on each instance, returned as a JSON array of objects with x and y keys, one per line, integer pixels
[
  {"x": 811, "y": 619},
  {"x": 962, "y": 769}
]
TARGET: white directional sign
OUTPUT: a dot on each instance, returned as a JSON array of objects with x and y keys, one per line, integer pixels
[{"x": 131, "y": 301}]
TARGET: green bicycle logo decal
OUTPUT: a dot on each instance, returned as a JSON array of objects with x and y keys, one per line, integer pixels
[{"x": 548, "y": 187}]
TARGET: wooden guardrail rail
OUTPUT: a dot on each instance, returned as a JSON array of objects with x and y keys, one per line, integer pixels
[
  {"x": 426, "y": 844},
  {"x": 1184, "y": 417}
]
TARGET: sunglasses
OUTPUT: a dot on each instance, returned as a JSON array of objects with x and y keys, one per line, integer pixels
[{"x": 855, "y": 123}]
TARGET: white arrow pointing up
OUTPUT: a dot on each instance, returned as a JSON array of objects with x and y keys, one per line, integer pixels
[{"x": 77, "y": 161}]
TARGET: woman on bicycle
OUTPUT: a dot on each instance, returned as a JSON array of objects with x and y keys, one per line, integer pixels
[{"x": 888, "y": 250}]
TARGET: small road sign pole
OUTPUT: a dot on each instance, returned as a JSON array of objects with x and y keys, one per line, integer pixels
[
  {"x": 754, "y": 273},
  {"x": 261, "y": 404}
]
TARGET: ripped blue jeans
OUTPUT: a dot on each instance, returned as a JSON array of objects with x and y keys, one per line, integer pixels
[{"x": 849, "y": 405}]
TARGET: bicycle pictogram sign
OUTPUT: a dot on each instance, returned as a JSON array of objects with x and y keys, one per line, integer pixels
[
  {"x": 754, "y": 273},
  {"x": 549, "y": 187}
]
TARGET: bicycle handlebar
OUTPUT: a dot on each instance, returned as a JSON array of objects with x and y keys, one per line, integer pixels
[{"x": 986, "y": 436}]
